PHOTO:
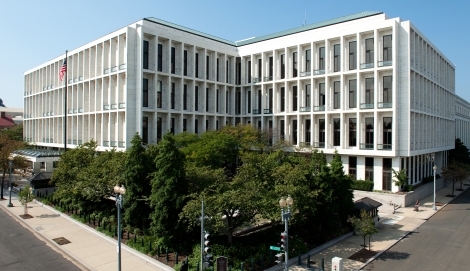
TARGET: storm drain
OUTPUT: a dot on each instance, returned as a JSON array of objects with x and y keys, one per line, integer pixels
[{"x": 61, "y": 241}]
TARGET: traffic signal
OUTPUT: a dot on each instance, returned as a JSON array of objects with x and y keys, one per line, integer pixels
[
  {"x": 206, "y": 242},
  {"x": 279, "y": 258},
  {"x": 283, "y": 240}
]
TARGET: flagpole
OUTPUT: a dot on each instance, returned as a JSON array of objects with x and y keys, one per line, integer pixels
[{"x": 65, "y": 104}]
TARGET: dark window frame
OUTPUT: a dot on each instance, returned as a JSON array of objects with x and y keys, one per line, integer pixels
[
  {"x": 337, "y": 57},
  {"x": 352, "y": 93},
  {"x": 336, "y": 94},
  {"x": 352, "y": 55}
]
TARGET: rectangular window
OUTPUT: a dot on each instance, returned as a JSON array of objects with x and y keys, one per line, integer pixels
[
  {"x": 226, "y": 71},
  {"x": 387, "y": 53},
  {"x": 145, "y": 94},
  {"x": 283, "y": 99},
  {"x": 146, "y": 55},
  {"x": 321, "y": 58},
  {"x": 387, "y": 133},
  {"x": 308, "y": 130},
  {"x": 207, "y": 99},
  {"x": 159, "y": 94},
  {"x": 294, "y": 98},
  {"x": 308, "y": 95},
  {"x": 352, "y": 55},
  {"x": 238, "y": 102},
  {"x": 294, "y": 64},
  {"x": 294, "y": 132},
  {"x": 321, "y": 94},
  {"x": 369, "y": 51},
  {"x": 217, "y": 101},
  {"x": 321, "y": 132},
  {"x": 336, "y": 132},
  {"x": 370, "y": 132},
  {"x": 308, "y": 57},
  {"x": 249, "y": 101},
  {"x": 160, "y": 58},
  {"x": 369, "y": 91},
  {"x": 207, "y": 67},
  {"x": 196, "y": 99},
  {"x": 249, "y": 71},
  {"x": 387, "y": 91},
  {"x": 259, "y": 101},
  {"x": 196, "y": 126},
  {"x": 185, "y": 97},
  {"x": 227, "y": 98},
  {"x": 271, "y": 66},
  {"x": 173, "y": 60},
  {"x": 260, "y": 68},
  {"x": 281, "y": 130},
  {"x": 172, "y": 96},
  {"x": 283, "y": 67},
  {"x": 217, "y": 70},
  {"x": 196, "y": 61},
  {"x": 369, "y": 169},
  {"x": 337, "y": 58},
  {"x": 185, "y": 63},
  {"x": 352, "y": 167},
  {"x": 336, "y": 94},
  {"x": 172, "y": 128},
  {"x": 270, "y": 99},
  {"x": 145, "y": 130},
  {"x": 387, "y": 174},
  {"x": 353, "y": 93},
  {"x": 159, "y": 129},
  {"x": 352, "y": 132},
  {"x": 207, "y": 125},
  {"x": 238, "y": 71},
  {"x": 184, "y": 125}
]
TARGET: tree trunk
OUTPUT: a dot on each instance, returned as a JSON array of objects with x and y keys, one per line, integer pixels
[
  {"x": 453, "y": 187},
  {"x": 229, "y": 229},
  {"x": 3, "y": 182},
  {"x": 364, "y": 237}
]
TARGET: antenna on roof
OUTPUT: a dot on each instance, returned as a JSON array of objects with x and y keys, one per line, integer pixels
[{"x": 305, "y": 19}]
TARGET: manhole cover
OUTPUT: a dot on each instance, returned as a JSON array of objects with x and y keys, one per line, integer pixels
[{"x": 61, "y": 241}]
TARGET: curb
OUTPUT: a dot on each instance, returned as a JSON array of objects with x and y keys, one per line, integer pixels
[
  {"x": 132, "y": 251},
  {"x": 75, "y": 260},
  {"x": 406, "y": 234}
]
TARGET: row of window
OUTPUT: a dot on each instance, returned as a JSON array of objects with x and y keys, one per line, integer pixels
[
  {"x": 369, "y": 170},
  {"x": 352, "y": 124},
  {"x": 369, "y": 61}
]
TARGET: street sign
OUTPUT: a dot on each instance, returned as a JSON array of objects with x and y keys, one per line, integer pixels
[
  {"x": 222, "y": 263},
  {"x": 275, "y": 248}
]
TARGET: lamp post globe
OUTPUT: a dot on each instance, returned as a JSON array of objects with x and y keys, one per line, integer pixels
[{"x": 282, "y": 202}]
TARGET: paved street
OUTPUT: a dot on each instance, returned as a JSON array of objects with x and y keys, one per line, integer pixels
[
  {"x": 20, "y": 249},
  {"x": 442, "y": 243}
]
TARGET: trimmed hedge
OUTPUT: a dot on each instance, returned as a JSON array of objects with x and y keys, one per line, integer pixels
[{"x": 363, "y": 185}]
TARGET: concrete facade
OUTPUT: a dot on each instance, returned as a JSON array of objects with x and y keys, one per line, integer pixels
[{"x": 368, "y": 86}]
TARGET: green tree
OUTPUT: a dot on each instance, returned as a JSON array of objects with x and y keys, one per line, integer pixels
[
  {"x": 169, "y": 188},
  {"x": 25, "y": 196},
  {"x": 71, "y": 176},
  {"x": 401, "y": 178},
  {"x": 7, "y": 147},
  {"x": 364, "y": 225},
  {"x": 138, "y": 168},
  {"x": 455, "y": 172},
  {"x": 15, "y": 133},
  {"x": 460, "y": 153},
  {"x": 342, "y": 204}
]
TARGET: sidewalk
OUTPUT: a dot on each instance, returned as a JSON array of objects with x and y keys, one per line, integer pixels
[
  {"x": 91, "y": 249},
  {"x": 393, "y": 228}
]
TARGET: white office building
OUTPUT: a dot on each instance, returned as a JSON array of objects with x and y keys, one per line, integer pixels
[{"x": 372, "y": 87}]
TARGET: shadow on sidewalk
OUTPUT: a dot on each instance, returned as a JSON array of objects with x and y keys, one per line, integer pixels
[{"x": 393, "y": 255}]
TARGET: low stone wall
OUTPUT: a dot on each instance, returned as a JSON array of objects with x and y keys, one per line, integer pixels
[{"x": 402, "y": 200}]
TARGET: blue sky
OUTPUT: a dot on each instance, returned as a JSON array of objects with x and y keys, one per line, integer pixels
[{"x": 33, "y": 32}]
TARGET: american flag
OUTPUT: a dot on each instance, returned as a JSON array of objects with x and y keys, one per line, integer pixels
[{"x": 63, "y": 70}]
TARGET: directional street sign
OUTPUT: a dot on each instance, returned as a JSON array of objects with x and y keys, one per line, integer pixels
[{"x": 275, "y": 248}]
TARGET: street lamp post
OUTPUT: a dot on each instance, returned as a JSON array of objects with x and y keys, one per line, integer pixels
[
  {"x": 434, "y": 207},
  {"x": 9, "y": 198},
  {"x": 120, "y": 191},
  {"x": 286, "y": 215}
]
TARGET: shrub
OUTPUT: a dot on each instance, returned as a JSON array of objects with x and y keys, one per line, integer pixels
[{"x": 363, "y": 185}]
